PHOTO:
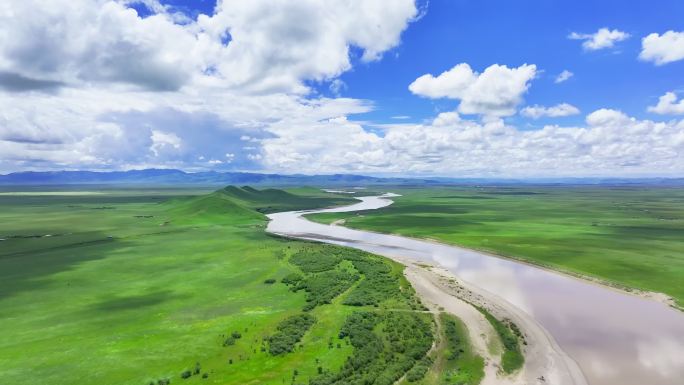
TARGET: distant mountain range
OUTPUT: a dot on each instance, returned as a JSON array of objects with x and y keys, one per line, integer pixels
[
  {"x": 178, "y": 177},
  {"x": 174, "y": 177}
]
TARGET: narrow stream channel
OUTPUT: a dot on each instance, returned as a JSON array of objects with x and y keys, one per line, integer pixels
[{"x": 616, "y": 338}]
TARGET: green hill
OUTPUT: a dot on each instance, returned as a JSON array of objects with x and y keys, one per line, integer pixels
[
  {"x": 245, "y": 205},
  {"x": 212, "y": 205},
  {"x": 273, "y": 200}
]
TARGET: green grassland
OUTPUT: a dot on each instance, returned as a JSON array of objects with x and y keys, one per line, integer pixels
[
  {"x": 628, "y": 236},
  {"x": 167, "y": 286}
]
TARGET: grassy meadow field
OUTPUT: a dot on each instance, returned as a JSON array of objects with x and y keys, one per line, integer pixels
[
  {"x": 629, "y": 236},
  {"x": 159, "y": 286}
]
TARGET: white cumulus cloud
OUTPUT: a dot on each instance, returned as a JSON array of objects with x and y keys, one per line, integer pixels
[
  {"x": 610, "y": 143},
  {"x": 562, "y": 109},
  {"x": 601, "y": 39},
  {"x": 255, "y": 46},
  {"x": 668, "y": 105},
  {"x": 91, "y": 84},
  {"x": 497, "y": 91},
  {"x": 275, "y": 44},
  {"x": 662, "y": 49}
]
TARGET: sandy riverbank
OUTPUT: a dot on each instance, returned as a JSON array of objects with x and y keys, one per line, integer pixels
[{"x": 545, "y": 362}]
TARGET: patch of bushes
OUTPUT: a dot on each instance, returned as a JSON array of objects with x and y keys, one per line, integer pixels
[
  {"x": 386, "y": 346},
  {"x": 270, "y": 281},
  {"x": 292, "y": 279},
  {"x": 462, "y": 365},
  {"x": 327, "y": 277},
  {"x": 419, "y": 370},
  {"x": 315, "y": 259},
  {"x": 454, "y": 342},
  {"x": 289, "y": 332},
  {"x": 189, "y": 373},
  {"x": 321, "y": 288},
  {"x": 379, "y": 284},
  {"x": 232, "y": 338},
  {"x": 512, "y": 358}
]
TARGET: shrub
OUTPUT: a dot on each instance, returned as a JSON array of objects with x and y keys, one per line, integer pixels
[
  {"x": 419, "y": 370},
  {"x": 512, "y": 359},
  {"x": 379, "y": 283},
  {"x": 289, "y": 332},
  {"x": 316, "y": 259},
  {"x": 385, "y": 347},
  {"x": 291, "y": 279},
  {"x": 321, "y": 288}
]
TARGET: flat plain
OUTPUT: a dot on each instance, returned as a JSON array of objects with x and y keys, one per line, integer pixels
[
  {"x": 158, "y": 286},
  {"x": 631, "y": 236}
]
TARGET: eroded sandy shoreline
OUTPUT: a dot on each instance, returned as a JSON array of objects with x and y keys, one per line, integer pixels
[{"x": 545, "y": 361}]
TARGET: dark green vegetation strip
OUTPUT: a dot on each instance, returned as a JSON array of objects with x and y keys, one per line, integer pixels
[
  {"x": 451, "y": 361},
  {"x": 463, "y": 365},
  {"x": 333, "y": 270},
  {"x": 141, "y": 287},
  {"x": 289, "y": 332},
  {"x": 386, "y": 346},
  {"x": 629, "y": 236},
  {"x": 512, "y": 358}
]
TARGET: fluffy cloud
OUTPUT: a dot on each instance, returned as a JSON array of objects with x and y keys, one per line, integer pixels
[
  {"x": 92, "y": 85},
  {"x": 668, "y": 105},
  {"x": 98, "y": 129},
  {"x": 563, "y": 109},
  {"x": 495, "y": 92},
  {"x": 446, "y": 119},
  {"x": 662, "y": 49},
  {"x": 255, "y": 46},
  {"x": 611, "y": 143},
  {"x": 103, "y": 87},
  {"x": 77, "y": 41},
  {"x": 601, "y": 39},
  {"x": 284, "y": 134},
  {"x": 275, "y": 44},
  {"x": 563, "y": 76}
]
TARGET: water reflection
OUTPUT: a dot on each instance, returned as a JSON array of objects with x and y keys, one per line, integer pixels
[{"x": 615, "y": 338}]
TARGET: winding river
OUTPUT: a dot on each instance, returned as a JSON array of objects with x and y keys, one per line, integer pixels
[{"x": 615, "y": 338}]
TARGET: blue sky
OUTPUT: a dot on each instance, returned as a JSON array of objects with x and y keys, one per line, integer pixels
[
  {"x": 516, "y": 32},
  {"x": 409, "y": 87}
]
